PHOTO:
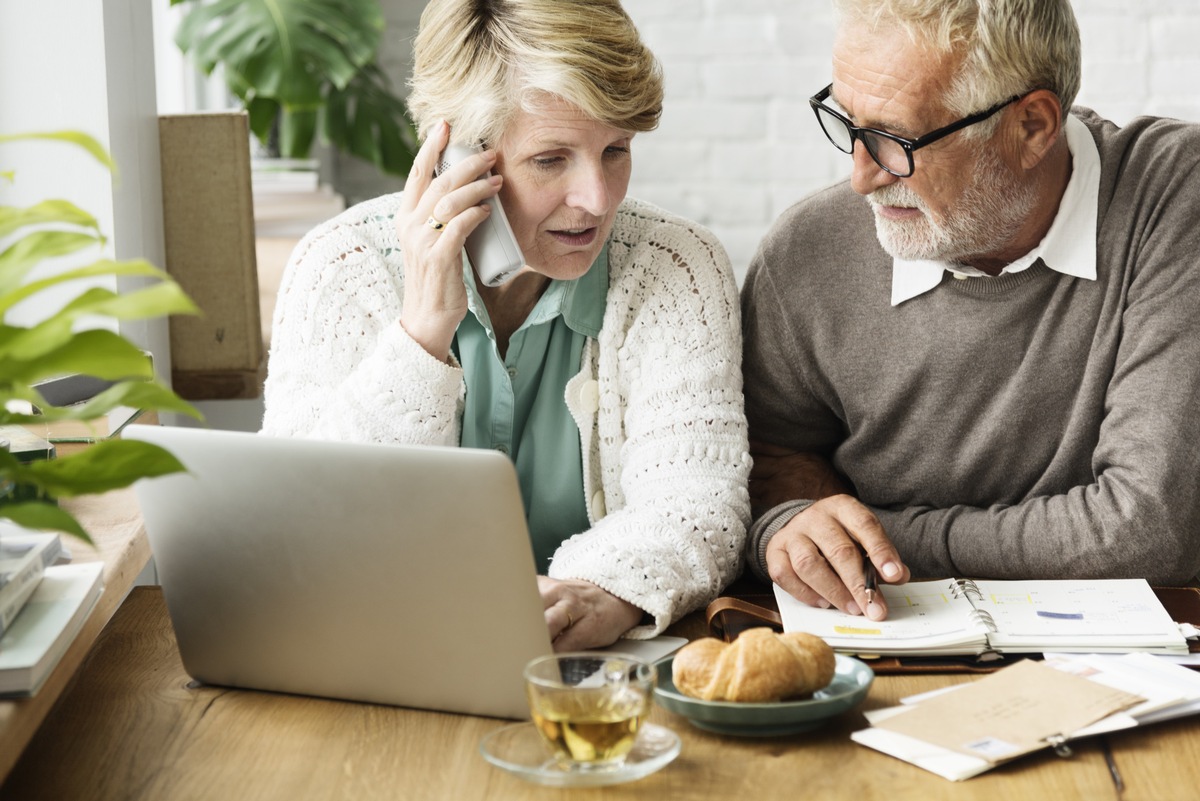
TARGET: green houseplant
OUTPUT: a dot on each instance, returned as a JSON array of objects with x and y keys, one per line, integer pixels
[
  {"x": 57, "y": 346},
  {"x": 299, "y": 66}
]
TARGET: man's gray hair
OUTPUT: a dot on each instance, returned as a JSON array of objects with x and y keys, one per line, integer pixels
[{"x": 1007, "y": 47}]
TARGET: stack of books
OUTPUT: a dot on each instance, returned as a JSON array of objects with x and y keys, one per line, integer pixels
[
  {"x": 24, "y": 557},
  {"x": 43, "y": 605}
]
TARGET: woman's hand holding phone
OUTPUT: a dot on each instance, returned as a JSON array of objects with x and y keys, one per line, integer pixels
[
  {"x": 492, "y": 247},
  {"x": 437, "y": 213}
]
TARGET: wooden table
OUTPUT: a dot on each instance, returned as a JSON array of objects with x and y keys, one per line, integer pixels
[
  {"x": 120, "y": 542},
  {"x": 133, "y": 726}
]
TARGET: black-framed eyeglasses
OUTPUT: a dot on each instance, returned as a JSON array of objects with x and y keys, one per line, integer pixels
[{"x": 892, "y": 153}]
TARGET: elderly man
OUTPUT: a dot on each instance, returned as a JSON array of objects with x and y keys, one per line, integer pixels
[{"x": 981, "y": 354}]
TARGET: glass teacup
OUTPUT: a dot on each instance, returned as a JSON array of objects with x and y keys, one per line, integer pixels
[{"x": 588, "y": 707}]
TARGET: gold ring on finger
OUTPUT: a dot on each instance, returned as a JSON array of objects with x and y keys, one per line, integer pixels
[{"x": 435, "y": 223}]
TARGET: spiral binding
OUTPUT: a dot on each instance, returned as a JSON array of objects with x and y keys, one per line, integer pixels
[
  {"x": 984, "y": 618},
  {"x": 965, "y": 587}
]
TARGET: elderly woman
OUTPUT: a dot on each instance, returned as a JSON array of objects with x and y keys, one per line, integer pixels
[{"x": 608, "y": 369}]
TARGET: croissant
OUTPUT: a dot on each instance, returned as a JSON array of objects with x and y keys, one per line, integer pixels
[{"x": 758, "y": 666}]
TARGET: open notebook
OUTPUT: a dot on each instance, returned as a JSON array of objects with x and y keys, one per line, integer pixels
[{"x": 956, "y": 616}]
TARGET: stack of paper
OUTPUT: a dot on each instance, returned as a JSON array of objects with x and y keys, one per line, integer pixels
[
  {"x": 24, "y": 557},
  {"x": 961, "y": 731},
  {"x": 46, "y": 626}
]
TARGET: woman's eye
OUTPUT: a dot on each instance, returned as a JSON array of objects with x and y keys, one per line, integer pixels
[{"x": 547, "y": 161}]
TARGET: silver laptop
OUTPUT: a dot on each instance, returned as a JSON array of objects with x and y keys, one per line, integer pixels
[{"x": 388, "y": 574}]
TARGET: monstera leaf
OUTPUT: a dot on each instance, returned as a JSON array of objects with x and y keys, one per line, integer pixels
[{"x": 289, "y": 60}]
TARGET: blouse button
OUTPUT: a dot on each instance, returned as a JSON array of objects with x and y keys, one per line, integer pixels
[{"x": 589, "y": 396}]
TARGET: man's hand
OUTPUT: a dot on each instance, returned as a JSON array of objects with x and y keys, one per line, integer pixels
[
  {"x": 817, "y": 557},
  {"x": 781, "y": 474},
  {"x": 580, "y": 615}
]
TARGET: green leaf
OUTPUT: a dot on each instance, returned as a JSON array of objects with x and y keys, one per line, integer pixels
[
  {"x": 190, "y": 35},
  {"x": 296, "y": 132},
  {"x": 9, "y": 466},
  {"x": 43, "y": 515},
  {"x": 74, "y": 137},
  {"x": 363, "y": 142},
  {"x": 165, "y": 297},
  {"x": 135, "y": 394},
  {"x": 95, "y": 352},
  {"x": 103, "y": 267},
  {"x": 28, "y": 251},
  {"x": 127, "y": 267},
  {"x": 28, "y": 344},
  {"x": 262, "y": 112},
  {"x": 46, "y": 212},
  {"x": 104, "y": 466},
  {"x": 335, "y": 117},
  {"x": 146, "y": 395},
  {"x": 13, "y": 413},
  {"x": 369, "y": 121}
]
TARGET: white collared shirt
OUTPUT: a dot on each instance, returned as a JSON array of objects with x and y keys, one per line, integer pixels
[{"x": 1069, "y": 247}]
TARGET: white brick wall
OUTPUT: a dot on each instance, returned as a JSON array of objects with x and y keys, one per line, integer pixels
[{"x": 738, "y": 143}]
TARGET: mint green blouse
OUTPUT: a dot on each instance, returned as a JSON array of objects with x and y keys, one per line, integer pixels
[{"x": 516, "y": 404}]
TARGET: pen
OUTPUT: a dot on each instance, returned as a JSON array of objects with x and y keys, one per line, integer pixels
[{"x": 869, "y": 578}]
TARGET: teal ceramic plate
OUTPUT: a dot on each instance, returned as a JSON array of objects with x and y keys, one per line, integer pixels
[{"x": 851, "y": 681}]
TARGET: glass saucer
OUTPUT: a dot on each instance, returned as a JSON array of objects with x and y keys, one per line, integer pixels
[{"x": 520, "y": 750}]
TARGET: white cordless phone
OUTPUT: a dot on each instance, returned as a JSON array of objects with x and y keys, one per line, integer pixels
[{"x": 491, "y": 248}]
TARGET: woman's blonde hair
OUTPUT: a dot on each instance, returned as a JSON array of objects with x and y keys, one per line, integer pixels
[
  {"x": 477, "y": 62},
  {"x": 1008, "y": 47}
]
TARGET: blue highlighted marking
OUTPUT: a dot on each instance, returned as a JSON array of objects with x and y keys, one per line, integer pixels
[{"x": 1060, "y": 615}]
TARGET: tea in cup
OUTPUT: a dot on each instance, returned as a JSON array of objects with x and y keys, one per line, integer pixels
[{"x": 589, "y": 707}]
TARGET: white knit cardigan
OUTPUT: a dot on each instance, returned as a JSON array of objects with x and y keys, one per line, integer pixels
[{"x": 657, "y": 400}]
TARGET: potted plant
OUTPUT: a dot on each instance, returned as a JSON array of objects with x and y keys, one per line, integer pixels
[
  {"x": 299, "y": 66},
  {"x": 55, "y": 346}
]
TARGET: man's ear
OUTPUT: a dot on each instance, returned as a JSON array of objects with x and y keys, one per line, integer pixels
[{"x": 1040, "y": 121}]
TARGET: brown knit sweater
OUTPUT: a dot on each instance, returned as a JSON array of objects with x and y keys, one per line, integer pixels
[{"x": 1026, "y": 426}]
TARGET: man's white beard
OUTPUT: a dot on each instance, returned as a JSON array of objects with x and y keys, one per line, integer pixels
[{"x": 985, "y": 219}]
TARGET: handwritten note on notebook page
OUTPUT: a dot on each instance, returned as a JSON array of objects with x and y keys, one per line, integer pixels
[
  {"x": 953, "y": 616},
  {"x": 924, "y": 617}
]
